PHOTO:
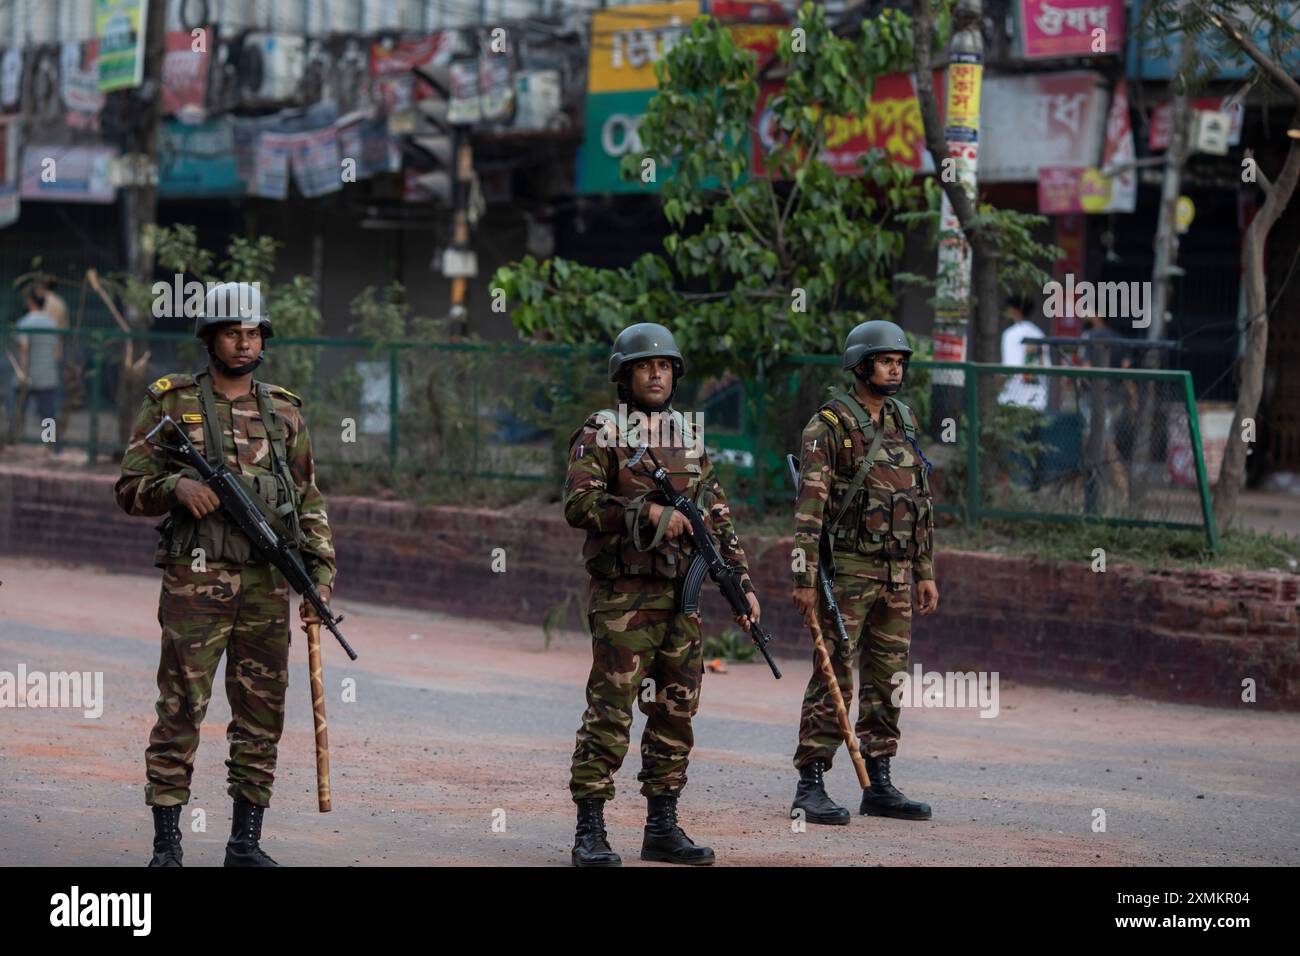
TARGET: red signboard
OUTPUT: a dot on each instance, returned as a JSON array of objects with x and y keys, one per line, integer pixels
[{"x": 892, "y": 123}]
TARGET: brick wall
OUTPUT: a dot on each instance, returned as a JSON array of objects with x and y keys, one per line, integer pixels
[{"x": 1190, "y": 636}]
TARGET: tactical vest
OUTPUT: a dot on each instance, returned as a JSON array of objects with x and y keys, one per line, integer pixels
[
  {"x": 879, "y": 504},
  {"x": 635, "y": 550},
  {"x": 276, "y": 490}
]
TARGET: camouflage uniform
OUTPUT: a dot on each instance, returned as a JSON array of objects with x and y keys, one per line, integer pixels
[
  {"x": 237, "y": 605},
  {"x": 886, "y": 530},
  {"x": 637, "y": 631}
]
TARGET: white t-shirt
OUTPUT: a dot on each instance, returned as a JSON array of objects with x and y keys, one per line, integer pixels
[{"x": 1028, "y": 392}]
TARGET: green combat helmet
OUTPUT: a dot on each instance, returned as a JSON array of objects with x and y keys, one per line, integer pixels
[
  {"x": 232, "y": 302},
  {"x": 644, "y": 340},
  {"x": 871, "y": 338}
]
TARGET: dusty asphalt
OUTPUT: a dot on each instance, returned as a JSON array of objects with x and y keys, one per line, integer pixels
[{"x": 459, "y": 723}]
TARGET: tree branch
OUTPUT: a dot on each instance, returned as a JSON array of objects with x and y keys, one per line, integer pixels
[
  {"x": 1261, "y": 178},
  {"x": 1248, "y": 46},
  {"x": 762, "y": 240}
]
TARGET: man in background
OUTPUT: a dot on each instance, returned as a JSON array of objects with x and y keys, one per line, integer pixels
[{"x": 39, "y": 376}]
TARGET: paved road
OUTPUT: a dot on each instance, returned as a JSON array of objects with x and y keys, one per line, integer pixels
[{"x": 458, "y": 723}]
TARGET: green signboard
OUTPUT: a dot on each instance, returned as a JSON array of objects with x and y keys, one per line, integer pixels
[{"x": 610, "y": 133}]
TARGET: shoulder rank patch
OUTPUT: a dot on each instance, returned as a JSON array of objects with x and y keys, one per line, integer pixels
[
  {"x": 192, "y": 418},
  {"x": 168, "y": 382},
  {"x": 830, "y": 416}
]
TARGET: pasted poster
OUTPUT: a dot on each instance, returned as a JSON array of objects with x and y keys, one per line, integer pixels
[{"x": 119, "y": 27}]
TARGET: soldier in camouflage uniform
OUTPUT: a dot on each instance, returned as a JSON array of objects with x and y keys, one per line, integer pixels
[
  {"x": 217, "y": 595},
  {"x": 644, "y": 649},
  {"x": 863, "y": 487}
]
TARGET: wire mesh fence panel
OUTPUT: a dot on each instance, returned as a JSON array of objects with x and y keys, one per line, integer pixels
[
  {"x": 1059, "y": 442},
  {"x": 1101, "y": 446}
]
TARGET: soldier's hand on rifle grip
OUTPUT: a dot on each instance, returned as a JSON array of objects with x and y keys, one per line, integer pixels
[
  {"x": 805, "y": 601},
  {"x": 197, "y": 497},
  {"x": 927, "y": 596},
  {"x": 754, "y": 612},
  {"x": 308, "y": 613},
  {"x": 677, "y": 524}
]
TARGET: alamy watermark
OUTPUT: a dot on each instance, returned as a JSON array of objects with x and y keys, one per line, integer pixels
[
  {"x": 666, "y": 429},
  {"x": 76, "y": 689},
  {"x": 947, "y": 689},
  {"x": 181, "y": 298},
  {"x": 1105, "y": 300}
]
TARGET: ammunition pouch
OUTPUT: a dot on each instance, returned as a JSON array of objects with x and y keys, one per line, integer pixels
[{"x": 219, "y": 538}]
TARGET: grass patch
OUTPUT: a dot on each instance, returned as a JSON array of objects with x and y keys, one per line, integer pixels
[{"x": 1239, "y": 549}]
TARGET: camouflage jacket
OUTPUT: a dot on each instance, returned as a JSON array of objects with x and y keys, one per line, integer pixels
[
  {"x": 888, "y": 526},
  {"x": 148, "y": 482},
  {"x": 630, "y": 564}
]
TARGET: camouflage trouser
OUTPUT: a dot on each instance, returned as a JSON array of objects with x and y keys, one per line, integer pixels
[
  {"x": 879, "y": 624},
  {"x": 655, "y": 658},
  {"x": 245, "y": 613}
]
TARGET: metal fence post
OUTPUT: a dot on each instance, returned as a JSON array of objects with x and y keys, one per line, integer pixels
[
  {"x": 760, "y": 417},
  {"x": 972, "y": 445},
  {"x": 96, "y": 363},
  {"x": 1202, "y": 479},
  {"x": 392, "y": 407}
]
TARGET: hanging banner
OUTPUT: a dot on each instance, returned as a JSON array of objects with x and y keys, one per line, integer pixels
[
  {"x": 120, "y": 28},
  {"x": 392, "y": 66},
  {"x": 1119, "y": 152},
  {"x": 79, "y": 85},
  {"x": 67, "y": 173},
  {"x": 11, "y": 78},
  {"x": 312, "y": 156},
  {"x": 1071, "y": 236},
  {"x": 10, "y": 127},
  {"x": 1162, "y": 120},
  {"x": 185, "y": 74},
  {"x": 199, "y": 159}
]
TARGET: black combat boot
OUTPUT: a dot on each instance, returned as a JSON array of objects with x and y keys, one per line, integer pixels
[
  {"x": 664, "y": 841},
  {"x": 167, "y": 836},
  {"x": 810, "y": 797},
  {"x": 591, "y": 843},
  {"x": 245, "y": 832},
  {"x": 886, "y": 800}
]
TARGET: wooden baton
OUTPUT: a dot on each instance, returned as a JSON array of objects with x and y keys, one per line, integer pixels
[
  {"x": 318, "y": 716},
  {"x": 841, "y": 712}
]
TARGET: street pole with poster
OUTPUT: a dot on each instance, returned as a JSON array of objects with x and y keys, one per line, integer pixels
[{"x": 953, "y": 274}]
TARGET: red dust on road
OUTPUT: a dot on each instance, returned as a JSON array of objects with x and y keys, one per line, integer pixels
[{"x": 450, "y": 742}]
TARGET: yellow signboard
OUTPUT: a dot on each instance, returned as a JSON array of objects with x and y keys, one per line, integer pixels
[{"x": 626, "y": 42}]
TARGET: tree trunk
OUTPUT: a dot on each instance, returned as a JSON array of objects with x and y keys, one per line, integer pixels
[{"x": 1233, "y": 472}]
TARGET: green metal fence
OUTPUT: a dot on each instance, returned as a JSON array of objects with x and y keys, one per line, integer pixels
[
  {"x": 1048, "y": 444},
  {"x": 1060, "y": 444}
]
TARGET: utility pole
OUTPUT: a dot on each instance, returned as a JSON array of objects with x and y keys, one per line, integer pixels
[
  {"x": 140, "y": 194},
  {"x": 953, "y": 327},
  {"x": 1166, "y": 251},
  {"x": 1166, "y": 244}
]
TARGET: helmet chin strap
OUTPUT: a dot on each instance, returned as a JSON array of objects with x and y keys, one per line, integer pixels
[
  {"x": 235, "y": 370},
  {"x": 882, "y": 390}
]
